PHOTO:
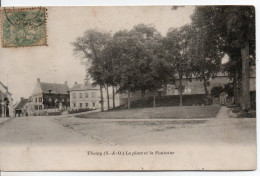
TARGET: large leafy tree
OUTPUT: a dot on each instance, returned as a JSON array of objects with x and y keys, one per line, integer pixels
[
  {"x": 232, "y": 27},
  {"x": 176, "y": 45},
  {"x": 123, "y": 49},
  {"x": 204, "y": 52},
  {"x": 139, "y": 63},
  {"x": 149, "y": 52},
  {"x": 90, "y": 48}
]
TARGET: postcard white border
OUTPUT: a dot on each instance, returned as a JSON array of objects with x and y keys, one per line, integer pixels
[{"x": 256, "y": 3}]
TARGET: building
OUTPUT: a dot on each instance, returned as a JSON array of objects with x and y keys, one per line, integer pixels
[
  {"x": 85, "y": 95},
  {"x": 49, "y": 97},
  {"x": 6, "y": 102},
  {"x": 22, "y": 108},
  {"x": 194, "y": 86},
  {"x": 193, "y": 90}
]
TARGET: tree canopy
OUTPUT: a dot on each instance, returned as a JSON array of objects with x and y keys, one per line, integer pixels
[{"x": 141, "y": 59}]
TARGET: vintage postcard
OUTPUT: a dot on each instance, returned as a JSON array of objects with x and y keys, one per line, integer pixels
[{"x": 128, "y": 88}]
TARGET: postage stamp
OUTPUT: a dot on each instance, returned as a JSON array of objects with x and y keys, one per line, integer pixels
[{"x": 23, "y": 27}]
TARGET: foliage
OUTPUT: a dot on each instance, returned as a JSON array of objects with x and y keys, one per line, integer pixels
[
  {"x": 228, "y": 88},
  {"x": 79, "y": 110},
  {"x": 90, "y": 47},
  {"x": 139, "y": 62},
  {"x": 176, "y": 45},
  {"x": 216, "y": 91},
  {"x": 232, "y": 29}
]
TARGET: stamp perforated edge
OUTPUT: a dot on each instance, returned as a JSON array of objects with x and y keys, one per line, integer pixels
[{"x": 23, "y": 8}]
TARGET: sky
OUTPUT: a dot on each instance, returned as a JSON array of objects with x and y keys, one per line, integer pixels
[{"x": 55, "y": 63}]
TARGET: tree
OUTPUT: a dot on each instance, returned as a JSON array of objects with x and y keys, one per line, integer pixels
[
  {"x": 233, "y": 26},
  {"x": 90, "y": 49},
  {"x": 123, "y": 48},
  {"x": 138, "y": 60},
  {"x": 176, "y": 51},
  {"x": 216, "y": 91},
  {"x": 149, "y": 51},
  {"x": 234, "y": 70},
  {"x": 159, "y": 70},
  {"x": 204, "y": 53}
]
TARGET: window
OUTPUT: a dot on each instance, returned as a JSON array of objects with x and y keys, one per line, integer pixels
[
  {"x": 80, "y": 95},
  {"x": 74, "y": 105},
  {"x": 36, "y": 107},
  {"x": 86, "y": 95},
  {"x": 86, "y": 105},
  {"x": 63, "y": 100},
  {"x": 40, "y": 107},
  {"x": 40, "y": 99},
  {"x": 35, "y": 100},
  {"x": 93, "y": 94},
  {"x": 50, "y": 99},
  {"x": 94, "y": 104},
  {"x": 74, "y": 95},
  {"x": 80, "y": 105}
]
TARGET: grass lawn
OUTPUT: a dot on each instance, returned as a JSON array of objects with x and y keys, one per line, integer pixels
[{"x": 173, "y": 112}]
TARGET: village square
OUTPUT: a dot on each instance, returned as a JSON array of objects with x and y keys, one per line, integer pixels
[{"x": 194, "y": 84}]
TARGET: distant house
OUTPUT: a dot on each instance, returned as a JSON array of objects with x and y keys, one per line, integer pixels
[
  {"x": 49, "y": 97},
  {"x": 194, "y": 86},
  {"x": 6, "y": 101},
  {"x": 87, "y": 96},
  {"x": 21, "y": 108}
]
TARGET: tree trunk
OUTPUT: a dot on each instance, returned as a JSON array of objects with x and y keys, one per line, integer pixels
[
  {"x": 108, "y": 103},
  {"x": 142, "y": 93},
  {"x": 205, "y": 86},
  {"x": 206, "y": 90},
  {"x": 236, "y": 87},
  {"x": 245, "y": 101},
  {"x": 180, "y": 88},
  {"x": 128, "y": 99},
  {"x": 113, "y": 97},
  {"x": 101, "y": 99},
  {"x": 154, "y": 104}
]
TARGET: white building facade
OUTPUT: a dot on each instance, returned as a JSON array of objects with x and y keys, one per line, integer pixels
[
  {"x": 6, "y": 102},
  {"x": 83, "y": 96}
]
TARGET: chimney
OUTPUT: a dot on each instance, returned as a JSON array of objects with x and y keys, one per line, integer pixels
[
  {"x": 76, "y": 83},
  {"x": 66, "y": 82},
  {"x": 38, "y": 80},
  {"x": 22, "y": 98}
]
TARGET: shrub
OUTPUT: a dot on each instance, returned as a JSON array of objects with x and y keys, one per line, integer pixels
[
  {"x": 228, "y": 88},
  {"x": 215, "y": 91},
  {"x": 250, "y": 114},
  {"x": 79, "y": 110},
  {"x": 54, "y": 113}
]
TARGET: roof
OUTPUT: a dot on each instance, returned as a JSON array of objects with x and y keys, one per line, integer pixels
[
  {"x": 22, "y": 103},
  {"x": 83, "y": 87},
  {"x": 55, "y": 88},
  {"x": 5, "y": 87}
]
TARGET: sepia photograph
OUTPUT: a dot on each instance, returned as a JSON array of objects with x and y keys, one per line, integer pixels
[{"x": 128, "y": 88}]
